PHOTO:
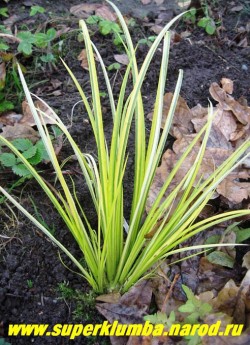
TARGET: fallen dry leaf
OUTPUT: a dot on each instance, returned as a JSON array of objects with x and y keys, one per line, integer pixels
[
  {"x": 227, "y": 102},
  {"x": 84, "y": 10},
  {"x": 246, "y": 260},
  {"x": 184, "y": 4},
  {"x": 156, "y": 28},
  {"x": 10, "y": 118},
  {"x": 57, "y": 93},
  {"x": 237, "y": 8},
  {"x": 122, "y": 58},
  {"x": 183, "y": 114},
  {"x": 225, "y": 122},
  {"x": 130, "y": 309},
  {"x": 109, "y": 298},
  {"x": 45, "y": 112},
  {"x": 146, "y": 2},
  {"x": 233, "y": 190},
  {"x": 227, "y": 299},
  {"x": 106, "y": 13},
  {"x": 20, "y": 131},
  {"x": 231, "y": 127},
  {"x": 224, "y": 320},
  {"x": 227, "y": 85},
  {"x": 83, "y": 58},
  {"x": 11, "y": 20},
  {"x": 212, "y": 276},
  {"x": 55, "y": 83}
]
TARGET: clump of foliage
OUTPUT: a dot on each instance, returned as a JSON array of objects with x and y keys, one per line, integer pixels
[
  {"x": 207, "y": 22},
  {"x": 107, "y": 27},
  {"x": 34, "y": 153},
  {"x": 115, "y": 259},
  {"x": 84, "y": 302},
  {"x": 195, "y": 309},
  {"x": 23, "y": 44}
]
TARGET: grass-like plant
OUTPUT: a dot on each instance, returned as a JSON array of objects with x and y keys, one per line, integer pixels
[{"x": 116, "y": 259}]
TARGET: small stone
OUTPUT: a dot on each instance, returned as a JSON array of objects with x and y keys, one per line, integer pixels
[
  {"x": 244, "y": 67},
  {"x": 14, "y": 311}
]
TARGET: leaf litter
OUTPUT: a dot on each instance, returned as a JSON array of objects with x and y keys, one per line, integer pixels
[{"x": 231, "y": 126}]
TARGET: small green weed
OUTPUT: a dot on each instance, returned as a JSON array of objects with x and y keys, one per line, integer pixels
[
  {"x": 232, "y": 233},
  {"x": 107, "y": 27},
  {"x": 5, "y": 104},
  {"x": 207, "y": 22},
  {"x": 4, "y": 12},
  {"x": 114, "y": 66},
  {"x": 28, "y": 40},
  {"x": 84, "y": 302},
  {"x": 148, "y": 41},
  {"x": 27, "y": 44},
  {"x": 195, "y": 309},
  {"x": 30, "y": 283},
  {"x": 36, "y": 9},
  {"x": 34, "y": 153}
]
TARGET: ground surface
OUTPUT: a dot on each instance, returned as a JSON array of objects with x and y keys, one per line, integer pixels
[{"x": 30, "y": 268}]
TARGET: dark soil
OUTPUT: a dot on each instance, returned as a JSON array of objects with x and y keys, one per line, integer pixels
[{"x": 31, "y": 270}]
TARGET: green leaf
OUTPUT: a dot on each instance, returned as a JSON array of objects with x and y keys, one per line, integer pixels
[
  {"x": 210, "y": 28},
  {"x": 26, "y": 36},
  {"x": 118, "y": 39},
  {"x": 213, "y": 239},
  {"x": 157, "y": 318},
  {"x": 48, "y": 58},
  {"x": 56, "y": 131},
  {"x": 20, "y": 170},
  {"x": 8, "y": 159},
  {"x": 205, "y": 309},
  {"x": 188, "y": 307},
  {"x": 219, "y": 258},
  {"x": 30, "y": 152},
  {"x": 203, "y": 22},
  {"x": 36, "y": 159},
  {"x": 40, "y": 147},
  {"x": 3, "y": 46},
  {"x": 4, "y": 12},
  {"x": 152, "y": 38},
  {"x": 113, "y": 66},
  {"x": 51, "y": 34},
  {"x": 41, "y": 40},
  {"x": 242, "y": 234},
  {"x": 193, "y": 317},
  {"x": 93, "y": 20},
  {"x": 4, "y": 30},
  {"x": 106, "y": 27},
  {"x": 6, "y": 105},
  {"x": 22, "y": 144},
  {"x": 193, "y": 339},
  {"x": 36, "y": 9},
  {"x": 189, "y": 293},
  {"x": 27, "y": 40},
  {"x": 143, "y": 41}
]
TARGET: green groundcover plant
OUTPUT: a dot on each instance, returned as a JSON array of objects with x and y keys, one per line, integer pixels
[{"x": 116, "y": 259}]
